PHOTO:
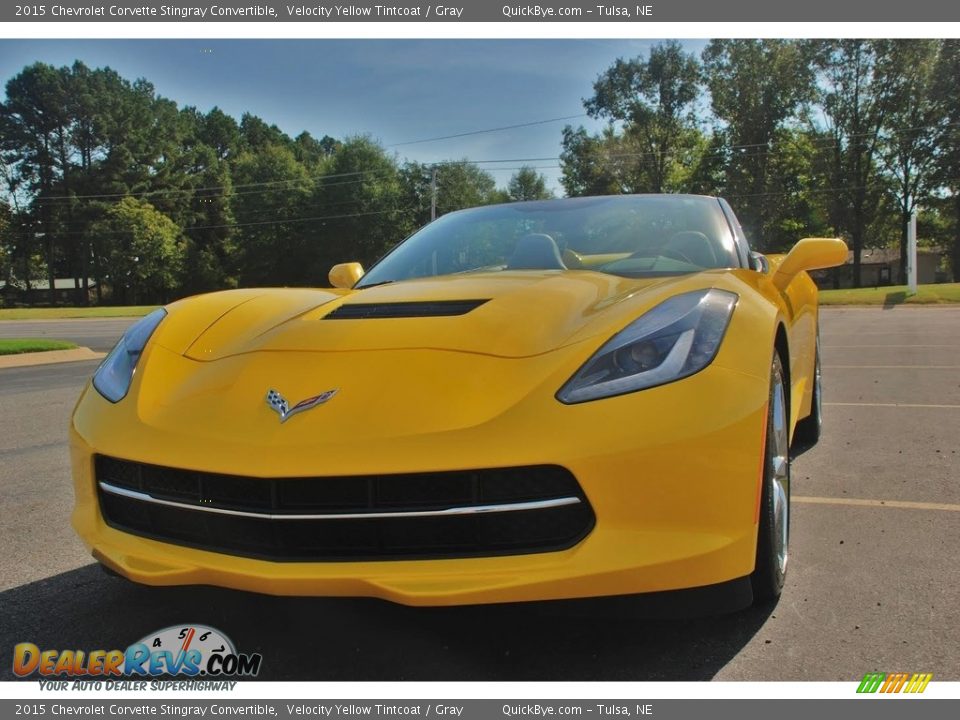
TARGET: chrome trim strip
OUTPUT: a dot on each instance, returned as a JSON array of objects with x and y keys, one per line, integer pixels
[{"x": 471, "y": 510}]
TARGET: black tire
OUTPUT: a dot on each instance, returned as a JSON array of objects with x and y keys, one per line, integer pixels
[
  {"x": 807, "y": 433},
  {"x": 770, "y": 570}
]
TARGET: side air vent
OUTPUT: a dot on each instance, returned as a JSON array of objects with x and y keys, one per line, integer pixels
[{"x": 372, "y": 311}]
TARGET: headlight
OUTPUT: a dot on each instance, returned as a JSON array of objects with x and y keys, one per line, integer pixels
[
  {"x": 112, "y": 379},
  {"x": 677, "y": 338}
]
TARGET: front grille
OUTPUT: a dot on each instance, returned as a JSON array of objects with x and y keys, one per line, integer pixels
[
  {"x": 372, "y": 311},
  {"x": 476, "y": 513}
]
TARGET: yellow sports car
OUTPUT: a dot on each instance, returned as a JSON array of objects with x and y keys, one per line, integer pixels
[{"x": 558, "y": 399}]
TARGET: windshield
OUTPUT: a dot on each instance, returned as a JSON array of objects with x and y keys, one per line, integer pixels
[{"x": 629, "y": 235}]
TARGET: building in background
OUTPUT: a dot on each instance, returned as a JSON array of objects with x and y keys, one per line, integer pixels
[{"x": 881, "y": 266}]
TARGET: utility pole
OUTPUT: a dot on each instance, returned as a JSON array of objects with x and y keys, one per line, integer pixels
[
  {"x": 912, "y": 253},
  {"x": 433, "y": 193}
]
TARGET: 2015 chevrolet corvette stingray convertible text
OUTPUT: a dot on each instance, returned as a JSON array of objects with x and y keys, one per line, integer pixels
[{"x": 559, "y": 399}]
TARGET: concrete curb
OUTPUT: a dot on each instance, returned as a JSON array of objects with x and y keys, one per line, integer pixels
[{"x": 49, "y": 357}]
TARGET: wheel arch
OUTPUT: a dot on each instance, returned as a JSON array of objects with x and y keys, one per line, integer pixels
[{"x": 781, "y": 344}]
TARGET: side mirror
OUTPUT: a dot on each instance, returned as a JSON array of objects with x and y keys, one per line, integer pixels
[
  {"x": 345, "y": 275},
  {"x": 810, "y": 254}
]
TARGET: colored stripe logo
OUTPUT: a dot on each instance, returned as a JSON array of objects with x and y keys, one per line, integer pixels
[{"x": 894, "y": 682}]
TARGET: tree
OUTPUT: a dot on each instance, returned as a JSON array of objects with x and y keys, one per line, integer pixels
[
  {"x": 358, "y": 206},
  {"x": 34, "y": 127},
  {"x": 654, "y": 100},
  {"x": 255, "y": 133},
  {"x": 460, "y": 184},
  {"x": 599, "y": 164},
  {"x": 7, "y": 245},
  {"x": 312, "y": 152},
  {"x": 947, "y": 95},
  {"x": 756, "y": 88},
  {"x": 219, "y": 131},
  {"x": 528, "y": 184},
  {"x": 913, "y": 128},
  {"x": 855, "y": 99},
  {"x": 23, "y": 260},
  {"x": 144, "y": 251},
  {"x": 210, "y": 225},
  {"x": 273, "y": 199},
  {"x": 794, "y": 204}
]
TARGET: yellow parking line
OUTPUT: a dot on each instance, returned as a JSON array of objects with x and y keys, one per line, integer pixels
[
  {"x": 905, "y": 504},
  {"x": 891, "y": 367},
  {"x": 870, "y": 333},
  {"x": 905, "y": 405}
]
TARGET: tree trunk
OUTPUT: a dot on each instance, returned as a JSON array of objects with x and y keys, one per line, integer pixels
[
  {"x": 51, "y": 270},
  {"x": 27, "y": 246},
  {"x": 98, "y": 279}
]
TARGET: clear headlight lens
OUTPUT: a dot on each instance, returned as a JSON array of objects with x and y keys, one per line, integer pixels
[
  {"x": 677, "y": 338},
  {"x": 112, "y": 379}
]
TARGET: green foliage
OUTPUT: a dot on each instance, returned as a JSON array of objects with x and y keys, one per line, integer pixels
[
  {"x": 527, "y": 184},
  {"x": 595, "y": 164},
  {"x": 359, "y": 208},
  {"x": 462, "y": 185},
  {"x": 914, "y": 126},
  {"x": 144, "y": 250},
  {"x": 946, "y": 91},
  {"x": 6, "y": 243},
  {"x": 209, "y": 223},
  {"x": 274, "y": 248},
  {"x": 854, "y": 95},
  {"x": 756, "y": 88},
  {"x": 459, "y": 185},
  {"x": 802, "y": 137},
  {"x": 654, "y": 99},
  {"x": 219, "y": 131}
]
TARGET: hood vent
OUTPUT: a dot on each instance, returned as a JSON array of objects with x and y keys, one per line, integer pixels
[{"x": 374, "y": 311}]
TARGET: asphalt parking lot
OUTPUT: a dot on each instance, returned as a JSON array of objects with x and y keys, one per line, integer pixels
[
  {"x": 872, "y": 584},
  {"x": 96, "y": 334}
]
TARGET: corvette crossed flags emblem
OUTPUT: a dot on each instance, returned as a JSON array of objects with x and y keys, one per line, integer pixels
[{"x": 277, "y": 402}]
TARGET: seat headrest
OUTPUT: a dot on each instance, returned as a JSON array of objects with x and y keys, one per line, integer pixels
[
  {"x": 695, "y": 247},
  {"x": 537, "y": 251}
]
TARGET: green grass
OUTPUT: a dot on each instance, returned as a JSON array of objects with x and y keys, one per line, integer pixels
[
  {"x": 27, "y": 345},
  {"x": 61, "y": 313},
  {"x": 895, "y": 295}
]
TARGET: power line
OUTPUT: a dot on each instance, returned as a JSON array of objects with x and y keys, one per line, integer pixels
[
  {"x": 292, "y": 220},
  {"x": 489, "y": 130},
  {"x": 322, "y": 181},
  {"x": 223, "y": 226},
  {"x": 282, "y": 182}
]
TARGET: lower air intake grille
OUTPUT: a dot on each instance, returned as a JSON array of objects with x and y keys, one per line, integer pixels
[{"x": 504, "y": 511}]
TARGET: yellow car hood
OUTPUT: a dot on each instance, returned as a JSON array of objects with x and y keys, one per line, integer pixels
[
  {"x": 215, "y": 357},
  {"x": 522, "y": 314}
]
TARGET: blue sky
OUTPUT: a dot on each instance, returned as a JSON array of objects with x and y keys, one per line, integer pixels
[{"x": 394, "y": 90}]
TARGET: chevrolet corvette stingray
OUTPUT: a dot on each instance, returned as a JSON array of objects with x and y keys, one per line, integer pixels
[{"x": 539, "y": 400}]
